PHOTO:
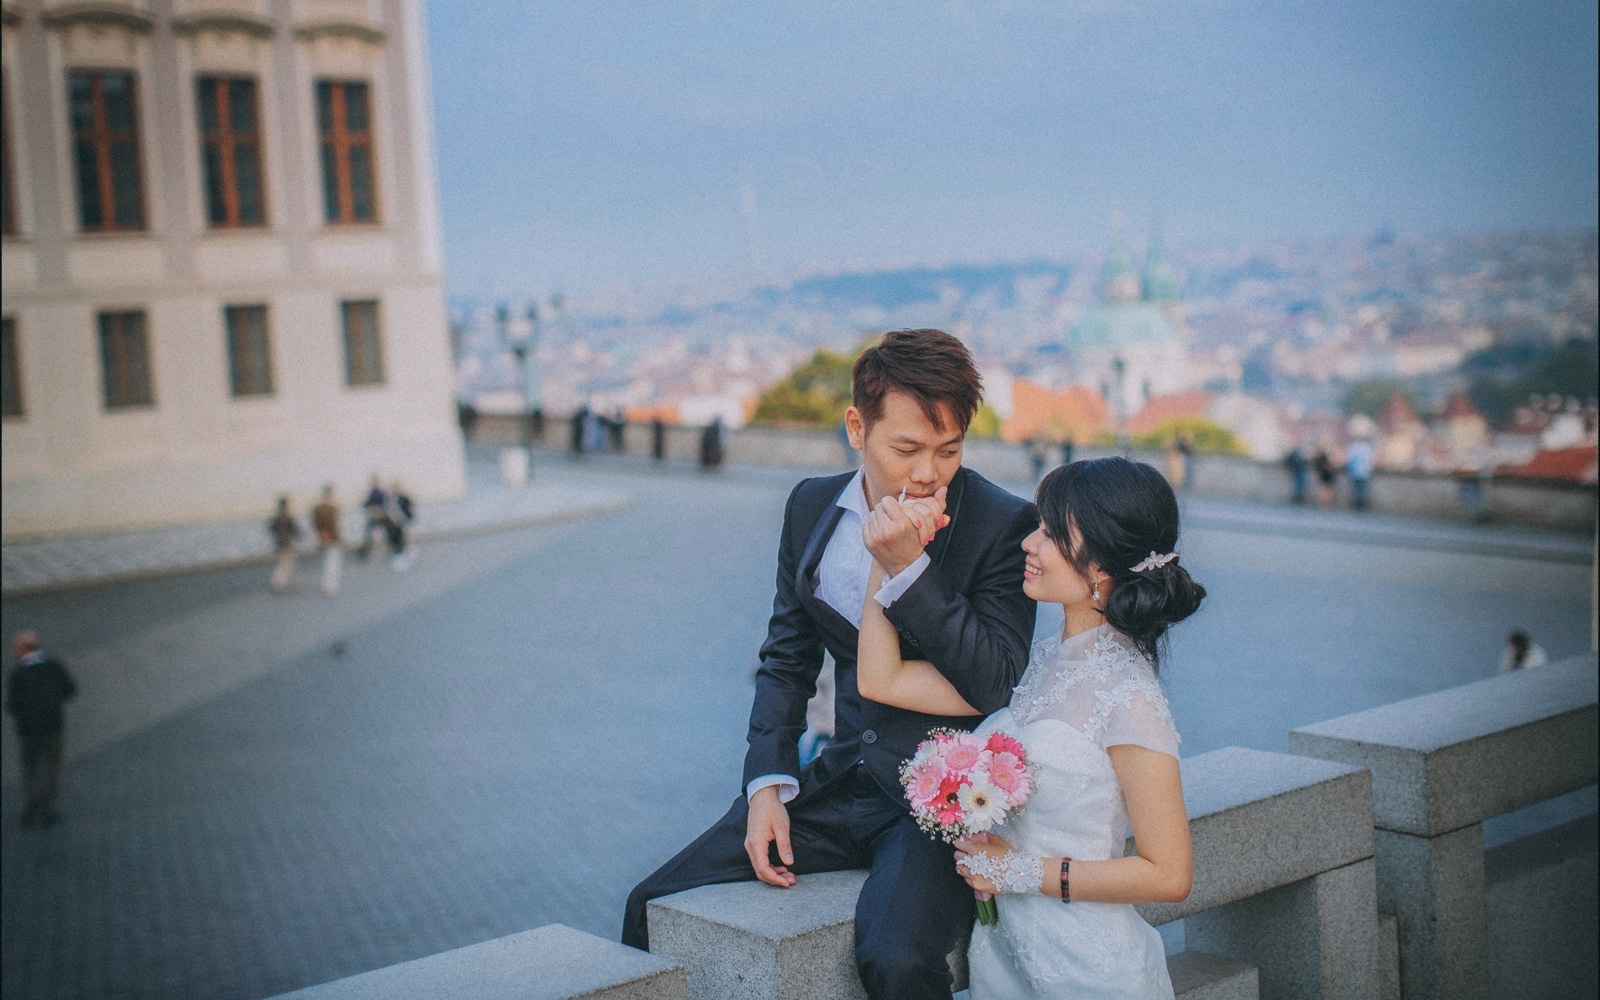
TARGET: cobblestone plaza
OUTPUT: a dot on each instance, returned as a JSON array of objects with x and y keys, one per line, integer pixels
[{"x": 269, "y": 792}]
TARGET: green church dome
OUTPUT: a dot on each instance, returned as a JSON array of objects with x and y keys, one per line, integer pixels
[
  {"x": 1120, "y": 324},
  {"x": 1160, "y": 280}
]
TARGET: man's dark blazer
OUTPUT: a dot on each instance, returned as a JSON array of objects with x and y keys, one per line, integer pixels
[{"x": 966, "y": 613}]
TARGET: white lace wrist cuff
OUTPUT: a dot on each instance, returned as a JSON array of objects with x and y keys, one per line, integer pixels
[{"x": 1012, "y": 872}]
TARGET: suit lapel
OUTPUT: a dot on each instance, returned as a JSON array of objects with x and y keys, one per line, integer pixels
[
  {"x": 952, "y": 507},
  {"x": 812, "y": 557}
]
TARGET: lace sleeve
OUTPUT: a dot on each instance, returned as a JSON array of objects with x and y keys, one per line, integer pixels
[{"x": 1134, "y": 710}]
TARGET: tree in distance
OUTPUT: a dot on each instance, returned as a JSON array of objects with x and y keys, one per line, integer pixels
[
  {"x": 817, "y": 393},
  {"x": 1205, "y": 435}
]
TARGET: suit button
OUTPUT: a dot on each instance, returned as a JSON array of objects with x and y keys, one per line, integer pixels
[{"x": 869, "y": 737}]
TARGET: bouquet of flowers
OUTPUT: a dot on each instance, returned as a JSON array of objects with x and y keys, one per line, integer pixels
[{"x": 960, "y": 784}]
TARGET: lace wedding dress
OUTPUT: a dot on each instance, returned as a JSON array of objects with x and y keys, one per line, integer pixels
[{"x": 1078, "y": 697}]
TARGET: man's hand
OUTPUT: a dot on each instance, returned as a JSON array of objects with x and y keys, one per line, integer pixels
[
  {"x": 768, "y": 822},
  {"x": 896, "y": 533}
]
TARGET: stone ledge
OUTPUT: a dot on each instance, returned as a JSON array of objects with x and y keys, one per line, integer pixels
[
  {"x": 1199, "y": 976},
  {"x": 549, "y": 963},
  {"x": 1456, "y": 757},
  {"x": 1541, "y": 913},
  {"x": 750, "y": 940},
  {"x": 1259, "y": 820}
]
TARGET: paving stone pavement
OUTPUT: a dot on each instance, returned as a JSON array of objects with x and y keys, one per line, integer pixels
[
  {"x": 271, "y": 792},
  {"x": 76, "y": 560}
]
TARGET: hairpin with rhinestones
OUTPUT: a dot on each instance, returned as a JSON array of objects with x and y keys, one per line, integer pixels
[{"x": 1153, "y": 561}]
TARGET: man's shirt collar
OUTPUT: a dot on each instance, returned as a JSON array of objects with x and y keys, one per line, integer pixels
[{"x": 854, "y": 496}]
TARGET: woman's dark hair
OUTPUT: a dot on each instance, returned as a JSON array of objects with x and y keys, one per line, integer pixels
[{"x": 1123, "y": 512}]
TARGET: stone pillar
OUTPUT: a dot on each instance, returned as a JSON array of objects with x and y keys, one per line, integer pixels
[
  {"x": 1441, "y": 764},
  {"x": 1315, "y": 938},
  {"x": 1434, "y": 885}
]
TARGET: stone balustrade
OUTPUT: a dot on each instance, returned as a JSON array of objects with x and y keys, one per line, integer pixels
[
  {"x": 548, "y": 963},
  {"x": 1442, "y": 764},
  {"x": 1284, "y": 889},
  {"x": 1567, "y": 506},
  {"x": 1295, "y": 857}
]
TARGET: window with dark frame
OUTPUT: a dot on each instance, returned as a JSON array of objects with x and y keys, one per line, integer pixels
[
  {"x": 125, "y": 360},
  {"x": 10, "y": 370},
  {"x": 105, "y": 150},
  {"x": 249, "y": 350},
  {"x": 363, "y": 344},
  {"x": 344, "y": 132},
  {"x": 8, "y": 212},
  {"x": 230, "y": 151}
]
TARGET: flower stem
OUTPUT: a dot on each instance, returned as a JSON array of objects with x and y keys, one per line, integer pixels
[{"x": 988, "y": 913}]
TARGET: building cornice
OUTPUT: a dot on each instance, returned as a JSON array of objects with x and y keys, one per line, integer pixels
[
  {"x": 115, "y": 13},
  {"x": 360, "y": 30},
  {"x": 225, "y": 21}
]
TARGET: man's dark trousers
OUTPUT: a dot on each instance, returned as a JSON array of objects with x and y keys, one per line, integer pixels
[
  {"x": 41, "y": 775},
  {"x": 910, "y": 913},
  {"x": 967, "y": 614}
]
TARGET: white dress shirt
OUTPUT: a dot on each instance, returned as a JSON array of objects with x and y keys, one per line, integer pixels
[{"x": 842, "y": 585}]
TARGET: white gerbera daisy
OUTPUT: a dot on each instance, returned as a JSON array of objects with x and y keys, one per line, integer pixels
[{"x": 983, "y": 804}]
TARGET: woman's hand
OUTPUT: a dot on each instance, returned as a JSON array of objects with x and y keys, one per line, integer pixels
[{"x": 994, "y": 846}]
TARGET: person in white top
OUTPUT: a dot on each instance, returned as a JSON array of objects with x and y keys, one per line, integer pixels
[
  {"x": 1098, "y": 735},
  {"x": 1522, "y": 653}
]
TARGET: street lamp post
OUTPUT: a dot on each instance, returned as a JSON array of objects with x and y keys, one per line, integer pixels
[
  {"x": 524, "y": 344},
  {"x": 1119, "y": 368},
  {"x": 532, "y": 384},
  {"x": 514, "y": 460}
]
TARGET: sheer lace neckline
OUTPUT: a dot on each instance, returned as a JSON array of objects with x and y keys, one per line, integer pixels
[{"x": 1103, "y": 661}]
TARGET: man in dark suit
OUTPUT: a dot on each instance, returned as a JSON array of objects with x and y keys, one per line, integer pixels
[
  {"x": 956, "y": 601},
  {"x": 35, "y": 690}
]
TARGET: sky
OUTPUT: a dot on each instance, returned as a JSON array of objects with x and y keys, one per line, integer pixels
[{"x": 594, "y": 144}]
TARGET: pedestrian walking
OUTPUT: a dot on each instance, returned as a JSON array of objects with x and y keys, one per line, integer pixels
[
  {"x": 658, "y": 439},
  {"x": 1038, "y": 455},
  {"x": 374, "y": 505},
  {"x": 1322, "y": 464},
  {"x": 580, "y": 420},
  {"x": 285, "y": 531},
  {"x": 1299, "y": 466},
  {"x": 1068, "y": 449},
  {"x": 39, "y": 684},
  {"x": 1186, "y": 455},
  {"x": 1172, "y": 455},
  {"x": 711, "y": 445},
  {"x": 400, "y": 514},
  {"x": 1472, "y": 484},
  {"x": 1358, "y": 466},
  {"x": 325, "y": 521},
  {"x": 618, "y": 429}
]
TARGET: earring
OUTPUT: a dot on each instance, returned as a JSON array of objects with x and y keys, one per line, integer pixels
[{"x": 1095, "y": 594}]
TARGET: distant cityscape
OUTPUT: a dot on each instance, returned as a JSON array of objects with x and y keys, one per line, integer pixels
[{"x": 1458, "y": 353}]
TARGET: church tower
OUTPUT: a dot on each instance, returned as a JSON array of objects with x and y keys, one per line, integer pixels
[{"x": 1131, "y": 345}]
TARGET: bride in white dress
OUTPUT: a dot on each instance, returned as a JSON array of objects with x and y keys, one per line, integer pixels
[{"x": 1095, "y": 725}]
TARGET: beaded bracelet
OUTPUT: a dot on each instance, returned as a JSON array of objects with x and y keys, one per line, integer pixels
[{"x": 1066, "y": 884}]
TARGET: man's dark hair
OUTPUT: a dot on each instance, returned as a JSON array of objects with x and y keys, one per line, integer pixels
[{"x": 930, "y": 366}]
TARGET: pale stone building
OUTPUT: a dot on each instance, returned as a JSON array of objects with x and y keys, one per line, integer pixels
[{"x": 222, "y": 275}]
